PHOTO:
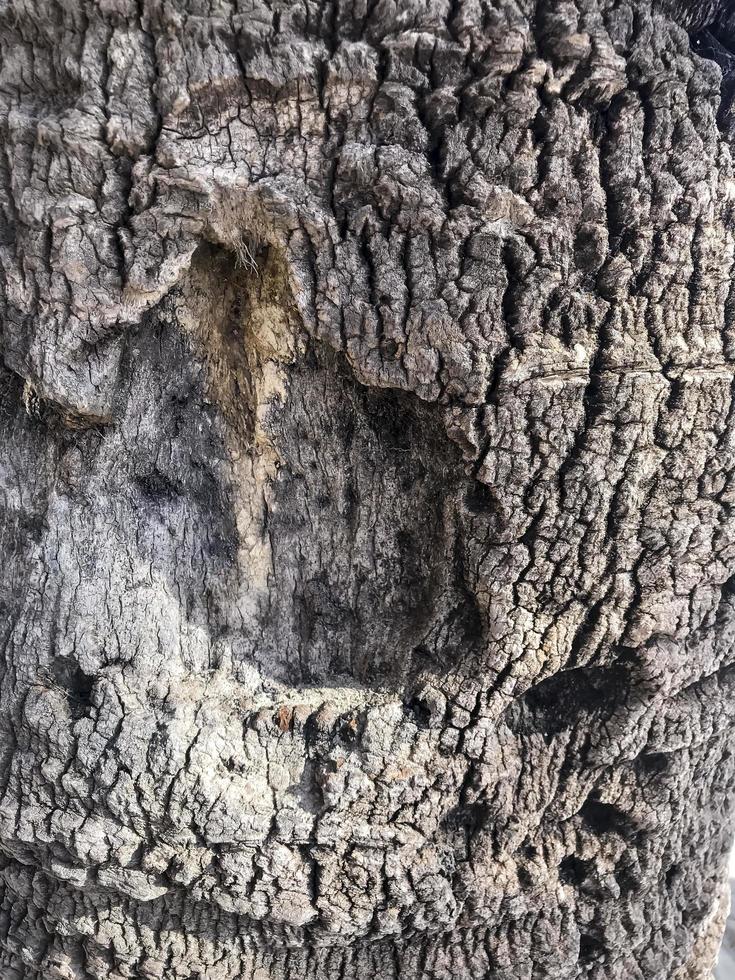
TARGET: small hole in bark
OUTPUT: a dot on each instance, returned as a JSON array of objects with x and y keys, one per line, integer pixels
[
  {"x": 590, "y": 949},
  {"x": 525, "y": 879},
  {"x": 421, "y": 654},
  {"x": 627, "y": 882},
  {"x": 33, "y": 524},
  {"x": 420, "y": 710},
  {"x": 470, "y": 817},
  {"x": 77, "y": 684},
  {"x": 573, "y": 870},
  {"x": 590, "y": 249},
  {"x": 156, "y": 486},
  {"x": 557, "y": 703},
  {"x": 673, "y": 874},
  {"x": 349, "y": 728},
  {"x": 654, "y": 763},
  {"x": 480, "y": 498},
  {"x": 604, "y": 818}
]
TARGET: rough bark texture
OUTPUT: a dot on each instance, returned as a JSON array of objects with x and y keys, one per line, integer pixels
[{"x": 368, "y": 457}]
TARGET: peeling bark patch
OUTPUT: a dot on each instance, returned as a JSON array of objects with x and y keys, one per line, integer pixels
[{"x": 360, "y": 621}]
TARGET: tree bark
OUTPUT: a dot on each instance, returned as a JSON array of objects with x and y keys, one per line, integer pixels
[{"x": 367, "y": 471}]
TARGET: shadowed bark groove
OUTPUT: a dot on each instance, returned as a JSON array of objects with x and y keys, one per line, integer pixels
[{"x": 367, "y": 544}]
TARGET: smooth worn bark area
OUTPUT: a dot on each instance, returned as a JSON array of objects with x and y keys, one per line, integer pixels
[{"x": 367, "y": 478}]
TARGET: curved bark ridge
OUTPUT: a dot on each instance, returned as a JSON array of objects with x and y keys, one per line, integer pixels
[{"x": 367, "y": 564}]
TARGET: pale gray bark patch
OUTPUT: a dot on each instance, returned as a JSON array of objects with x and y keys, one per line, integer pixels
[{"x": 368, "y": 549}]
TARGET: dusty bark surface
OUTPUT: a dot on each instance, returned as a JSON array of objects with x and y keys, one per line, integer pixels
[{"x": 367, "y": 477}]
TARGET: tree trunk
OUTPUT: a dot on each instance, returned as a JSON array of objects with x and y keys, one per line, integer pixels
[{"x": 368, "y": 470}]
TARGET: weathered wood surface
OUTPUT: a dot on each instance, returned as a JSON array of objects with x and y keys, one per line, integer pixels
[{"x": 367, "y": 540}]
